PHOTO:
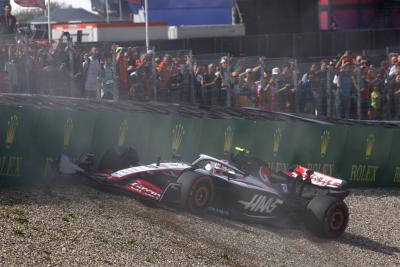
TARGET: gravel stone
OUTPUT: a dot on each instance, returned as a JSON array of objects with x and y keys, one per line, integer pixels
[{"x": 75, "y": 224}]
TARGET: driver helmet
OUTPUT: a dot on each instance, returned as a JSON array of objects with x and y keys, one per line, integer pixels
[{"x": 217, "y": 168}]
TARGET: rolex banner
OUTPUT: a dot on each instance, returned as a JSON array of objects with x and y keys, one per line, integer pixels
[
  {"x": 31, "y": 3},
  {"x": 32, "y": 139}
]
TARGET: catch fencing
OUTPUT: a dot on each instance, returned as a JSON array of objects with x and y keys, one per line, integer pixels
[{"x": 281, "y": 85}]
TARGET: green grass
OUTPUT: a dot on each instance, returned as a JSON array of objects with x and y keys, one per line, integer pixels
[
  {"x": 22, "y": 220},
  {"x": 17, "y": 215},
  {"x": 132, "y": 242},
  {"x": 19, "y": 232}
]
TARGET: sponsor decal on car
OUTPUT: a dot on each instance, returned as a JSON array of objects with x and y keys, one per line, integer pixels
[
  {"x": 143, "y": 190},
  {"x": 262, "y": 204},
  {"x": 219, "y": 211}
]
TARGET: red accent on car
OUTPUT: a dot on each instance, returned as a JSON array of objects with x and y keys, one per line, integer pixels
[{"x": 150, "y": 186}]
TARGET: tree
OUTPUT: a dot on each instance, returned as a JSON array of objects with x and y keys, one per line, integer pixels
[{"x": 27, "y": 14}]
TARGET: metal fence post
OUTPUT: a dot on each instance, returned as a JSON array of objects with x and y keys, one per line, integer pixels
[
  {"x": 191, "y": 77},
  {"x": 154, "y": 74},
  {"x": 262, "y": 83},
  {"x": 114, "y": 69},
  {"x": 71, "y": 68},
  {"x": 296, "y": 88},
  {"x": 27, "y": 65},
  {"x": 227, "y": 78},
  {"x": 329, "y": 76},
  {"x": 358, "y": 91}
]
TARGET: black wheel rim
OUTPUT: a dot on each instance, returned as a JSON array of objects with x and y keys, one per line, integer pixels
[
  {"x": 336, "y": 221},
  {"x": 201, "y": 196}
]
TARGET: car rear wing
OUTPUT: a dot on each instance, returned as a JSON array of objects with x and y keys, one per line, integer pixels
[{"x": 316, "y": 178}]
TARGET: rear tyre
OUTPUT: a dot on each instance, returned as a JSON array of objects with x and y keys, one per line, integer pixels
[
  {"x": 118, "y": 158},
  {"x": 327, "y": 216},
  {"x": 197, "y": 192}
]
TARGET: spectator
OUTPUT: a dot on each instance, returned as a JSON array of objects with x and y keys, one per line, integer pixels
[
  {"x": 345, "y": 59},
  {"x": 224, "y": 91},
  {"x": 7, "y": 23},
  {"x": 397, "y": 97},
  {"x": 122, "y": 63},
  {"x": 321, "y": 89},
  {"x": 274, "y": 88},
  {"x": 236, "y": 90},
  {"x": 309, "y": 91},
  {"x": 210, "y": 80},
  {"x": 261, "y": 92},
  {"x": 79, "y": 79},
  {"x": 394, "y": 89},
  {"x": 287, "y": 94},
  {"x": 92, "y": 73},
  {"x": 247, "y": 85},
  {"x": 392, "y": 67},
  {"x": 345, "y": 84},
  {"x": 376, "y": 102},
  {"x": 198, "y": 81},
  {"x": 367, "y": 76},
  {"x": 108, "y": 80},
  {"x": 165, "y": 72}
]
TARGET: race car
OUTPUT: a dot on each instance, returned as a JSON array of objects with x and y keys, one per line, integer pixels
[{"x": 242, "y": 187}]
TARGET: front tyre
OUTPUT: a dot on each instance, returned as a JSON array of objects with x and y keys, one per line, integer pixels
[
  {"x": 327, "y": 216},
  {"x": 119, "y": 157},
  {"x": 197, "y": 192}
]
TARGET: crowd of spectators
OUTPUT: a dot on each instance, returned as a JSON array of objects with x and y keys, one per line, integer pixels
[{"x": 349, "y": 86}]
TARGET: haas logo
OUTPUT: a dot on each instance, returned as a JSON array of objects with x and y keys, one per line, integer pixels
[{"x": 262, "y": 204}]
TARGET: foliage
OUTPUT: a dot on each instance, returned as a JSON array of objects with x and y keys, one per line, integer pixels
[{"x": 27, "y": 14}]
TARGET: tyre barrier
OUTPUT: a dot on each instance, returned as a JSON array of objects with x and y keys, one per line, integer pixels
[{"x": 33, "y": 136}]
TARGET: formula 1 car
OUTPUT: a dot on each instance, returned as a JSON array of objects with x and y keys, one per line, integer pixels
[{"x": 242, "y": 187}]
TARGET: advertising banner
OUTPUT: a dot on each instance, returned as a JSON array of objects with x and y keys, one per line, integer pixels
[
  {"x": 366, "y": 154},
  {"x": 31, "y": 140},
  {"x": 18, "y": 142}
]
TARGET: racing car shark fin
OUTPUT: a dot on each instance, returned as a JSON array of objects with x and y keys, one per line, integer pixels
[{"x": 66, "y": 166}]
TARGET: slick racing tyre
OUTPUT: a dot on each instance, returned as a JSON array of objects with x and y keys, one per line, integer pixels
[
  {"x": 197, "y": 192},
  {"x": 327, "y": 216},
  {"x": 118, "y": 158}
]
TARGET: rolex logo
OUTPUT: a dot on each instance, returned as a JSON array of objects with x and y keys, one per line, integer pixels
[
  {"x": 228, "y": 140},
  {"x": 370, "y": 146},
  {"x": 68, "y": 127},
  {"x": 277, "y": 141},
  {"x": 325, "y": 140},
  {"x": 177, "y": 137},
  {"x": 12, "y": 130},
  {"x": 123, "y": 132}
]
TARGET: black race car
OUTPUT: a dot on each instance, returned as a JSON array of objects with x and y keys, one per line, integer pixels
[{"x": 242, "y": 187}]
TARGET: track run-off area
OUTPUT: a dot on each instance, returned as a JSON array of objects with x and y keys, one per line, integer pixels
[{"x": 72, "y": 223}]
